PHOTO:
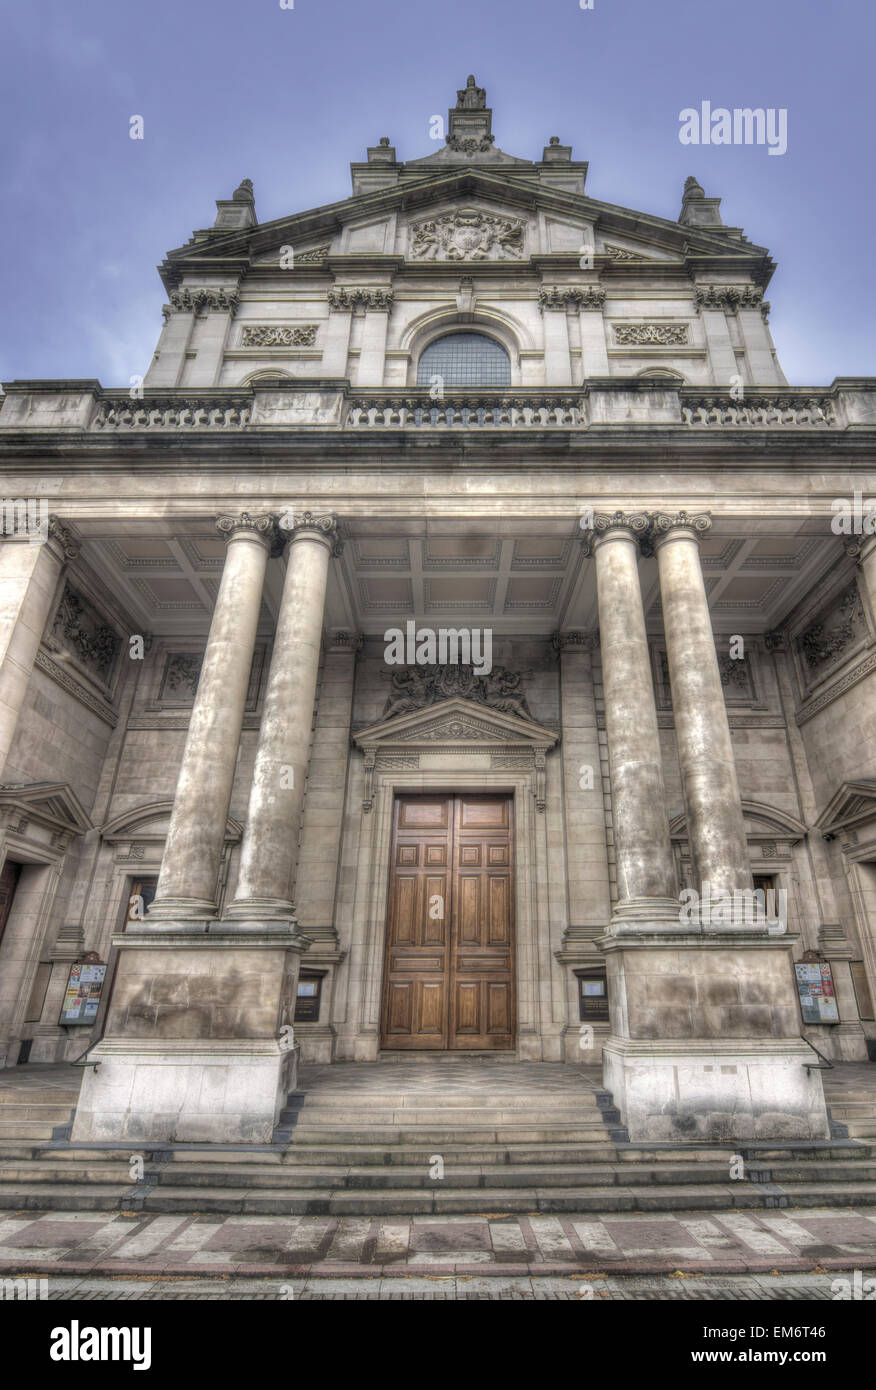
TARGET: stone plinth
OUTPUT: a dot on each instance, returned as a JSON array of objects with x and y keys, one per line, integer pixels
[
  {"x": 705, "y": 1040},
  {"x": 194, "y": 1048}
]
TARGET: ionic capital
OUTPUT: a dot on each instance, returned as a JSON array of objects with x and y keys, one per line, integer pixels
[
  {"x": 665, "y": 524},
  {"x": 262, "y": 527},
  {"x": 607, "y": 524},
  {"x": 294, "y": 526}
]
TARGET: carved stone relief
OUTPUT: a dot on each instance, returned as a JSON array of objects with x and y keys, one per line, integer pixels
[
  {"x": 414, "y": 687},
  {"x": 79, "y": 628},
  {"x": 270, "y": 335},
  {"x": 838, "y": 629},
  {"x": 650, "y": 334},
  {"x": 467, "y": 235}
]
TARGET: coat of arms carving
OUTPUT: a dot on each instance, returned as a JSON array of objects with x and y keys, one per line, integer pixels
[{"x": 468, "y": 235}]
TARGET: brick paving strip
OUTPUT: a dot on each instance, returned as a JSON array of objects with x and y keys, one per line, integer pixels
[{"x": 797, "y": 1240}]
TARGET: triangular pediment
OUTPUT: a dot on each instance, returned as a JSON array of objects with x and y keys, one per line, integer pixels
[
  {"x": 54, "y": 804},
  {"x": 852, "y": 803},
  {"x": 454, "y": 722},
  {"x": 334, "y": 236}
]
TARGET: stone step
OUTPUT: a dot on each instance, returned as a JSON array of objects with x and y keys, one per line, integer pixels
[
  {"x": 482, "y": 1117},
  {"x": 861, "y": 1129},
  {"x": 432, "y": 1134},
  {"x": 392, "y": 1202},
  {"x": 30, "y": 1129},
  {"x": 479, "y": 1153},
  {"x": 439, "y": 1100},
  {"x": 48, "y": 1114}
]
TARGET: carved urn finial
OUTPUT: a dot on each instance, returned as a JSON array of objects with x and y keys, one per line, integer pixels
[{"x": 692, "y": 188}]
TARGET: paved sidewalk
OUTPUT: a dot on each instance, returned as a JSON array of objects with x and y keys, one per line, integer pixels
[{"x": 129, "y": 1243}]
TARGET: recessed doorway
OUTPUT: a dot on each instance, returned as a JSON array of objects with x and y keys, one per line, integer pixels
[{"x": 449, "y": 972}]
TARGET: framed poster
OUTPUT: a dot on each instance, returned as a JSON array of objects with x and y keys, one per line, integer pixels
[
  {"x": 82, "y": 995},
  {"x": 815, "y": 988}
]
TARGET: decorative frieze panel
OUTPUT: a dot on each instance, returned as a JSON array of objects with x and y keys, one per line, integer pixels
[
  {"x": 468, "y": 235},
  {"x": 650, "y": 334},
  {"x": 80, "y": 630},
  {"x": 267, "y": 335}
]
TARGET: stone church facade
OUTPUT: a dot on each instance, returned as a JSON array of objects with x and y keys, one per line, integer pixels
[{"x": 544, "y": 444}]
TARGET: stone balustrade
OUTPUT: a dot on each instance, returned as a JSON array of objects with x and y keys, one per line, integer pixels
[
  {"x": 528, "y": 410},
  {"x": 173, "y": 412},
  {"x": 282, "y": 403},
  {"x": 788, "y": 409}
]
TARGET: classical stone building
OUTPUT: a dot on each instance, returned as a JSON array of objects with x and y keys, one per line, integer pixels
[{"x": 543, "y": 446}]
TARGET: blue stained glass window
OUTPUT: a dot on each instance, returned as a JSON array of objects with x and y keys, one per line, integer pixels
[{"x": 465, "y": 359}]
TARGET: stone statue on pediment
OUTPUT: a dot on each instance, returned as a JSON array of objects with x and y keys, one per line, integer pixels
[{"x": 471, "y": 98}]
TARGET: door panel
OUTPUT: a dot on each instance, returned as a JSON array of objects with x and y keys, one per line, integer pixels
[{"x": 449, "y": 979}]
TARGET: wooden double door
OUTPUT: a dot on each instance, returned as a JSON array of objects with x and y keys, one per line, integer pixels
[{"x": 449, "y": 973}]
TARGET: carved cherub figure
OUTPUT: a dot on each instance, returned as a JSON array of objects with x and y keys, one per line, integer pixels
[
  {"x": 408, "y": 692},
  {"x": 503, "y": 692}
]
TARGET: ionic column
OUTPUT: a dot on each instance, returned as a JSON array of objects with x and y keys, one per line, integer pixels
[
  {"x": 715, "y": 825},
  {"x": 270, "y": 841},
  {"x": 645, "y": 870},
  {"x": 196, "y": 834},
  {"x": 29, "y": 574}
]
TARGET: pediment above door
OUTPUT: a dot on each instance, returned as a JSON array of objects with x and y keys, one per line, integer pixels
[{"x": 456, "y": 728}]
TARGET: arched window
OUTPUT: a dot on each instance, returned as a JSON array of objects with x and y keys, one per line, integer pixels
[{"x": 465, "y": 359}]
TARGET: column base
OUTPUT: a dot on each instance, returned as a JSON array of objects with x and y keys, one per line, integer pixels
[
  {"x": 637, "y": 916},
  {"x": 185, "y": 1092},
  {"x": 197, "y": 1046},
  {"x": 262, "y": 910},
  {"x": 698, "y": 1090}
]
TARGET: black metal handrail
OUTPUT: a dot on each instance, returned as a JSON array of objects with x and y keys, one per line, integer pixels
[
  {"x": 814, "y": 1066},
  {"x": 78, "y": 1062}
]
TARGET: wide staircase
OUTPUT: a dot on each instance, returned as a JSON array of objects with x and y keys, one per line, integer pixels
[{"x": 443, "y": 1135}]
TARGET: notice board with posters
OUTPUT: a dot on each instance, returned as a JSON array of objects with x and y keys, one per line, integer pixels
[
  {"x": 82, "y": 995},
  {"x": 815, "y": 988}
]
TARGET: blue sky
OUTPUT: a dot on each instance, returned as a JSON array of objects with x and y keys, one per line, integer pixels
[{"x": 288, "y": 97}]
